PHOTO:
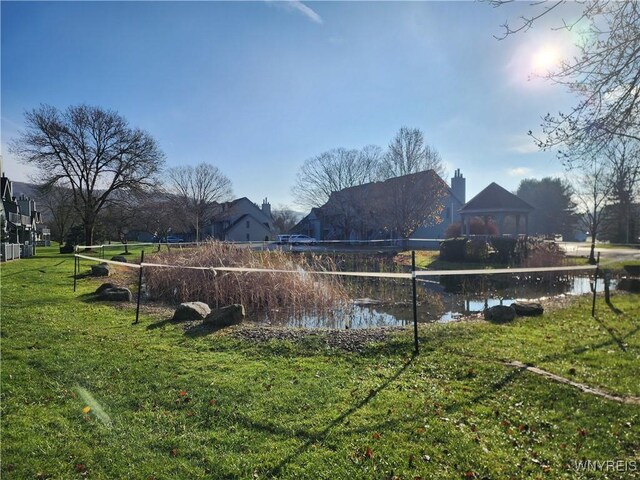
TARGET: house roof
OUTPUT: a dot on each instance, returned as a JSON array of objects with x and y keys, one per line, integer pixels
[
  {"x": 378, "y": 190},
  {"x": 495, "y": 199},
  {"x": 230, "y": 211}
]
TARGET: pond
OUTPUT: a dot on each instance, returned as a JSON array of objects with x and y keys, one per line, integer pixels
[{"x": 447, "y": 300}]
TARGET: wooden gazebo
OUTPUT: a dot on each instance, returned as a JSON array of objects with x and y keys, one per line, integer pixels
[{"x": 497, "y": 203}]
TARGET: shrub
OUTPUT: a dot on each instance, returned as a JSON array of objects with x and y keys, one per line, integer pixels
[
  {"x": 477, "y": 249},
  {"x": 477, "y": 227},
  {"x": 453, "y": 249},
  {"x": 538, "y": 253},
  {"x": 505, "y": 248},
  {"x": 257, "y": 291}
]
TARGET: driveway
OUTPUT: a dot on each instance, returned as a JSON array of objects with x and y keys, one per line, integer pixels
[{"x": 607, "y": 255}]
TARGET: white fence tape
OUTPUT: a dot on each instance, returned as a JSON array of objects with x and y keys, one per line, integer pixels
[
  {"x": 101, "y": 260},
  {"x": 418, "y": 273},
  {"x": 493, "y": 271},
  {"x": 392, "y": 241}
]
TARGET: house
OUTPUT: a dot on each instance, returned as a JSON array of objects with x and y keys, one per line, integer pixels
[
  {"x": 497, "y": 203},
  {"x": 416, "y": 206},
  {"x": 241, "y": 220},
  {"x": 18, "y": 223}
]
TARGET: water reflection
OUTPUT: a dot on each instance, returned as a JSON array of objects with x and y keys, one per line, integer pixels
[{"x": 443, "y": 301}]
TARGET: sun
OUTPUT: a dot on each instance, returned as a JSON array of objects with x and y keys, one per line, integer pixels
[{"x": 545, "y": 59}]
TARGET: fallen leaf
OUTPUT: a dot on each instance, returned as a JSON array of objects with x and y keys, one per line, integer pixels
[
  {"x": 376, "y": 435},
  {"x": 80, "y": 467},
  {"x": 212, "y": 402},
  {"x": 86, "y": 409},
  {"x": 183, "y": 393},
  {"x": 368, "y": 453},
  {"x": 174, "y": 452}
]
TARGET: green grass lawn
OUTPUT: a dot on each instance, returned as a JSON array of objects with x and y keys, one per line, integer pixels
[{"x": 86, "y": 394}]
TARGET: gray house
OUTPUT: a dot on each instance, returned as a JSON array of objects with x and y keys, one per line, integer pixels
[
  {"x": 241, "y": 220},
  {"x": 354, "y": 213},
  {"x": 18, "y": 223}
]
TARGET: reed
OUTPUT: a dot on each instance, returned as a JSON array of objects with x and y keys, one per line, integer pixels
[{"x": 295, "y": 290}]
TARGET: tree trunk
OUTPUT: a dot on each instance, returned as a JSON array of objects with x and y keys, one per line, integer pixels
[
  {"x": 592, "y": 254},
  {"x": 88, "y": 232}
]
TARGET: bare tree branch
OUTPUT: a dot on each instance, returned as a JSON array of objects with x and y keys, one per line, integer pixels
[
  {"x": 91, "y": 151},
  {"x": 197, "y": 189}
]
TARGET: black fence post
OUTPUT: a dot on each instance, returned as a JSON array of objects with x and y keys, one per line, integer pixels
[
  {"x": 139, "y": 288},
  {"x": 415, "y": 301},
  {"x": 595, "y": 286}
]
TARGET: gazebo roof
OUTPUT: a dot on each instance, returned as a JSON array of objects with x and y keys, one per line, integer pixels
[{"x": 495, "y": 199}]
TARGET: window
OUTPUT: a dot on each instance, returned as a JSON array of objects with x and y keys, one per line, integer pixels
[
  {"x": 248, "y": 239},
  {"x": 248, "y": 224}
]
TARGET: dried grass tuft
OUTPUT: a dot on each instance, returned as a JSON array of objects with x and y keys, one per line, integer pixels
[
  {"x": 543, "y": 254},
  {"x": 257, "y": 291}
]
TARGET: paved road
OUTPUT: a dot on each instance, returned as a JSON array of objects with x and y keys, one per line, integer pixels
[{"x": 607, "y": 255}]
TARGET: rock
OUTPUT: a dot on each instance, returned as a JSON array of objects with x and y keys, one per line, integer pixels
[
  {"x": 119, "y": 258},
  {"x": 528, "y": 309},
  {"x": 500, "y": 313},
  {"x": 105, "y": 286},
  {"x": 633, "y": 270},
  {"x": 102, "y": 270},
  {"x": 629, "y": 285},
  {"x": 191, "y": 311},
  {"x": 226, "y": 316},
  {"x": 116, "y": 294}
]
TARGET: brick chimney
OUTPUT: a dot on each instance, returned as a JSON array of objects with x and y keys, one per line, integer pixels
[
  {"x": 266, "y": 208},
  {"x": 459, "y": 186}
]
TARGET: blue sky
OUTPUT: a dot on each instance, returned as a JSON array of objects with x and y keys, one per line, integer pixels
[{"x": 258, "y": 87}]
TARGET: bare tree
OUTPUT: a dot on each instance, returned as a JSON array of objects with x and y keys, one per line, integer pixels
[
  {"x": 593, "y": 193},
  {"x": 411, "y": 201},
  {"x": 120, "y": 216},
  {"x": 91, "y": 151},
  {"x": 623, "y": 172},
  {"x": 57, "y": 203},
  {"x": 157, "y": 213},
  {"x": 196, "y": 189},
  {"x": 605, "y": 75},
  {"x": 284, "y": 219},
  {"x": 333, "y": 171},
  {"x": 408, "y": 153}
]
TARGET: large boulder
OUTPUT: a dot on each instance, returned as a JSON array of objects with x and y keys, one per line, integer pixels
[
  {"x": 633, "y": 270},
  {"x": 115, "y": 294},
  {"x": 500, "y": 313},
  {"x": 226, "y": 316},
  {"x": 191, "y": 311},
  {"x": 629, "y": 285},
  {"x": 528, "y": 309},
  {"x": 105, "y": 286},
  {"x": 119, "y": 258},
  {"x": 101, "y": 270}
]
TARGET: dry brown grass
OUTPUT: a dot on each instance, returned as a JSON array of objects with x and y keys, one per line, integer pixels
[
  {"x": 544, "y": 254},
  {"x": 257, "y": 291}
]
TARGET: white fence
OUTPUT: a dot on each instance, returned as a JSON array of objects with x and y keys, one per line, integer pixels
[{"x": 10, "y": 251}]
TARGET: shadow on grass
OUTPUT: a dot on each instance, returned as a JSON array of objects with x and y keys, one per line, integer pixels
[
  {"x": 193, "y": 329},
  {"x": 161, "y": 324},
  {"x": 613, "y": 308},
  {"x": 41, "y": 270},
  {"x": 313, "y": 438}
]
